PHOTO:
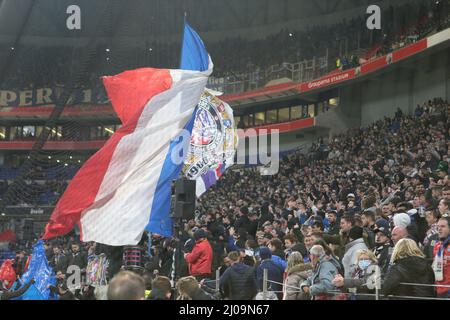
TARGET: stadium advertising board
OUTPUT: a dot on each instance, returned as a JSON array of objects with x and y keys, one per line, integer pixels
[{"x": 46, "y": 96}]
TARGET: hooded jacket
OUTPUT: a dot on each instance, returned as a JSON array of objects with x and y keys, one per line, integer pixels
[
  {"x": 295, "y": 277},
  {"x": 238, "y": 282},
  {"x": 275, "y": 273},
  {"x": 279, "y": 261},
  {"x": 409, "y": 270},
  {"x": 349, "y": 259}
]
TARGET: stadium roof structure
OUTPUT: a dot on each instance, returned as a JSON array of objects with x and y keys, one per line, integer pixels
[{"x": 43, "y": 22}]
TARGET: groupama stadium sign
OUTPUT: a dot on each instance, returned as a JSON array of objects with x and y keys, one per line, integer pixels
[{"x": 330, "y": 80}]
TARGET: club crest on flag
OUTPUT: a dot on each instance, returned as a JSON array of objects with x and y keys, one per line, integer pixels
[{"x": 214, "y": 138}]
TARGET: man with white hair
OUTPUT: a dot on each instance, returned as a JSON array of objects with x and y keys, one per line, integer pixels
[
  {"x": 324, "y": 271},
  {"x": 398, "y": 233}
]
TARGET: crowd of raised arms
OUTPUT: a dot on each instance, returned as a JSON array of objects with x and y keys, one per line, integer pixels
[{"x": 373, "y": 199}]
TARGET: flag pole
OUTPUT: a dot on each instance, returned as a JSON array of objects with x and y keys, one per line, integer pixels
[
  {"x": 178, "y": 222},
  {"x": 182, "y": 37}
]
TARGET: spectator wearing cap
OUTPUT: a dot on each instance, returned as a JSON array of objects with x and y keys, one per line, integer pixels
[
  {"x": 200, "y": 259},
  {"x": 352, "y": 198},
  {"x": 275, "y": 272},
  {"x": 350, "y": 257},
  {"x": 383, "y": 246}
]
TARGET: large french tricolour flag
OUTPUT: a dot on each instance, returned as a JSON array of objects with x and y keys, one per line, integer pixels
[{"x": 125, "y": 187}]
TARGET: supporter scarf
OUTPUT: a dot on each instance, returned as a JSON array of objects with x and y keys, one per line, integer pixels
[{"x": 438, "y": 263}]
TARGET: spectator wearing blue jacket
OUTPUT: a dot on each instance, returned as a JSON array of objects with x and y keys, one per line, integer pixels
[
  {"x": 278, "y": 255},
  {"x": 274, "y": 273}
]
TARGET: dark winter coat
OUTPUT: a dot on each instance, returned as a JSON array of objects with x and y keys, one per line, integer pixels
[
  {"x": 238, "y": 282},
  {"x": 409, "y": 270}
]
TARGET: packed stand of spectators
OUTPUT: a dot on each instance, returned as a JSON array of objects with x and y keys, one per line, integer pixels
[
  {"x": 369, "y": 207},
  {"x": 435, "y": 19}
]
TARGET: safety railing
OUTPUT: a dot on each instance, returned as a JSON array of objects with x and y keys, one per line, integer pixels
[
  {"x": 353, "y": 294},
  {"x": 301, "y": 71}
]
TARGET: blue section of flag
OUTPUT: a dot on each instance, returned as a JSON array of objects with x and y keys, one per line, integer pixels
[
  {"x": 41, "y": 272},
  {"x": 193, "y": 57},
  {"x": 160, "y": 221},
  {"x": 193, "y": 53}
]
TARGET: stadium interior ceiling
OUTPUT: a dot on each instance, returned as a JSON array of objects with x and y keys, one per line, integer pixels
[{"x": 164, "y": 19}]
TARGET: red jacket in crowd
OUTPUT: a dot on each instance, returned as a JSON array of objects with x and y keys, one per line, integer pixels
[
  {"x": 446, "y": 262},
  {"x": 200, "y": 259}
]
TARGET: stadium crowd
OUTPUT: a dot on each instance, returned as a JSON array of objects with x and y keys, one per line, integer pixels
[{"x": 374, "y": 199}]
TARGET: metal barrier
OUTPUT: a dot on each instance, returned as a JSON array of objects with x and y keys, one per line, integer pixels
[
  {"x": 301, "y": 71},
  {"x": 376, "y": 295}
]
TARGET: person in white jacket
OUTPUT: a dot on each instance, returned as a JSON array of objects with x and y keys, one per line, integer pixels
[{"x": 351, "y": 250}]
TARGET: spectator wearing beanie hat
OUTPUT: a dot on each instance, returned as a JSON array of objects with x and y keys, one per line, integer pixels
[
  {"x": 383, "y": 245},
  {"x": 201, "y": 258},
  {"x": 275, "y": 272},
  {"x": 402, "y": 220},
  {"x": 350, "y": 257}
]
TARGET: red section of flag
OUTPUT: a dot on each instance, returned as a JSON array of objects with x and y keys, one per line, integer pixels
[
  {"x": 131, "y": 90},
  {"x": 129, "y": 93}
]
